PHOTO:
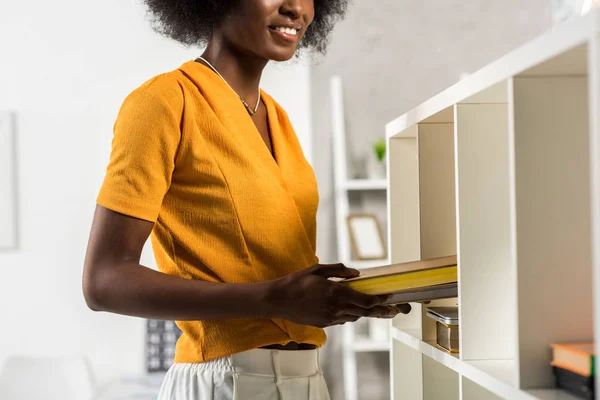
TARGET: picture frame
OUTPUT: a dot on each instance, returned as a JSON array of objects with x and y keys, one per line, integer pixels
[{"x": 366, "y": 237}]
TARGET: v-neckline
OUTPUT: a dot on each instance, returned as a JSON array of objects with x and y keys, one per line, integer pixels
[
  {"x": 268, "y": 109},
  {"x": 271, "y": 128},
  {"x": 278, "y": 169},
  {"x": 271, "y": 148},
  {"x": 238, "y": 121}
]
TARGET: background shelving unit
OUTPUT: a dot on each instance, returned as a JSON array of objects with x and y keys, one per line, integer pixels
[
  {"x": 502, "y": 169},
  {"x": 365, "y": 184},
  {"x": 351, "y": 344}
]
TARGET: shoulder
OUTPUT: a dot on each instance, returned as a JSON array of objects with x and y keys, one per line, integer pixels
[
  {"x": 153, "y": 108},
  {"x": 163, "y": 92}
]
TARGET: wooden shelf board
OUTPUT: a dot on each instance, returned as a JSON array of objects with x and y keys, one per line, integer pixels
[
  {"x": 503, "y": 370},
  {"x": 365, "y": 184},
  {"x": 497, "y": 376},
  {"x": 428, "y": 348},
  {"x": 551, "y": 394}
]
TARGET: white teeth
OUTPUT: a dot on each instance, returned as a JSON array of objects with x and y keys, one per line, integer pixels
[{"x": 289, "y": 31}]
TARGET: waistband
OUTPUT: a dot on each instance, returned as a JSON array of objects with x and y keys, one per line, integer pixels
[
  {"x": 286, "y": 363},
  {"x": 267, "y": 362}
]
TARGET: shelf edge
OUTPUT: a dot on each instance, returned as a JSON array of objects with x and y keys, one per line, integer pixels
[
  {"x": 463, "y": 368},
  {"x": 556, "y": 41}
]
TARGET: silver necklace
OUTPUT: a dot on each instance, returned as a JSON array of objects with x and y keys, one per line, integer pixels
[{"x": 250, "y": 110}]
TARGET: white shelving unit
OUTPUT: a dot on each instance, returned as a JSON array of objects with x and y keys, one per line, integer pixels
[
  {"x": 351, "y": 344},
  {"x": 503, "y": 169}
]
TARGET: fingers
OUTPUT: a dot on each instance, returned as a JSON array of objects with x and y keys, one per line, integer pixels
[
  {"x": 335, "y": 271},
  {"x": 346, "y": 318},
  {"x": 403, "y": 308},
  {"x": 352, "y": 313},
  {"x": 374, "y": 312}
]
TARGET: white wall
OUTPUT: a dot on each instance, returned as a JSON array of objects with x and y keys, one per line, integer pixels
[
  {"x": 289, "y": 84},
  {"x": 65, "y": 67}
]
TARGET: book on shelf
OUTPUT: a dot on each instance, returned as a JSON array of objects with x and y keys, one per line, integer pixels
[
  {"x": 574, "y": 368},
  {"x": 415, "y": 281},
  {"x": 578, "y": 385},
  {"x": 575, "y": 357}
]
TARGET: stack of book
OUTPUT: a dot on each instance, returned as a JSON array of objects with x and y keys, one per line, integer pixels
[
  {"x": 574, "y": 368},
  {"x": 415, "y": 281}
]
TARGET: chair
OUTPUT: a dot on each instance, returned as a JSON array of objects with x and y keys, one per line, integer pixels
[{"x": 46, "y": 378}]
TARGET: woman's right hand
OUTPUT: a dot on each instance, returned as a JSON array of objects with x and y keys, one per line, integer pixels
[{"x": 308, "y": 297}]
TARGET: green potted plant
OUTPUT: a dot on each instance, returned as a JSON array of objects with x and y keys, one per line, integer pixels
[
  {"x": 377, "y": 163},
  {"x": 379, "y": 147}
]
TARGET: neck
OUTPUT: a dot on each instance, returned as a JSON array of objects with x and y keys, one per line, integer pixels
[{"x": 241, "y": 71}]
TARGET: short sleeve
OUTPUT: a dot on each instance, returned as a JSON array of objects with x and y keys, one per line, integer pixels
[{"x": 144, "y": 146}]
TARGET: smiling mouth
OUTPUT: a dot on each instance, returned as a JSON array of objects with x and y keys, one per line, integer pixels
[
  {"x": 289, "y": 34},
  {"x": 285, "y": 29}
]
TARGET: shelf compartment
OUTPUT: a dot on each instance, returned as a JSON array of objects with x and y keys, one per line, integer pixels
[
  {"x": 403, "y": 198},
  {"x": 422, "y": 201},
  {"x": 439, "y": 381},
  {"x": 418, "y": 376},
  {"x": 552, "y": 214},
  {"x": 485, "y": 252},
  {"x": 437, "y": 190},
  {"x": 572, "y": 62},
  {"x": 472, "y": 391}
]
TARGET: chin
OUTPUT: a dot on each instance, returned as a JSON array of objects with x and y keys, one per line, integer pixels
[{"x": 281, "y": 54}]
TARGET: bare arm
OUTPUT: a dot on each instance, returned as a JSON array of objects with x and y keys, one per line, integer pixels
[{"x": 114, "y": 281}]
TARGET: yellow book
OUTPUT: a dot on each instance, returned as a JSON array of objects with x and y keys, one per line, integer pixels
[{"x": 412, "y": 277}]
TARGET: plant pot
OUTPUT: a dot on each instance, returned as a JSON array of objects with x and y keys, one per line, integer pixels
[{"x": 376, "y": 169}]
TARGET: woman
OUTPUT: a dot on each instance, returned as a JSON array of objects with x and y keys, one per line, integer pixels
[{"x": 211, "y": 166}]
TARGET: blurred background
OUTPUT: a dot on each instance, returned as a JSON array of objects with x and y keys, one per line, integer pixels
[{"x": 65, "y": 68}]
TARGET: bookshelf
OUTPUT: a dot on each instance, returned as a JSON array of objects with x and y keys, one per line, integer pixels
[{"x": 502, "y": 169}]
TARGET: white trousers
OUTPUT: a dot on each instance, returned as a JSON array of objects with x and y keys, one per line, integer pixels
[{"x": 258, "y": 374}]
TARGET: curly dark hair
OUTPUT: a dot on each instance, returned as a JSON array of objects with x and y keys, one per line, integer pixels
[{"x": 191, "y": 22}]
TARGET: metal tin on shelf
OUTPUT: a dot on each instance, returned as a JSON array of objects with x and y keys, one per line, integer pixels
[{"x": 447, "y": 332}]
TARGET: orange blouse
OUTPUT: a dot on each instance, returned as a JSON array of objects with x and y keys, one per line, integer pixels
[{"x": 187, "y": 156}]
